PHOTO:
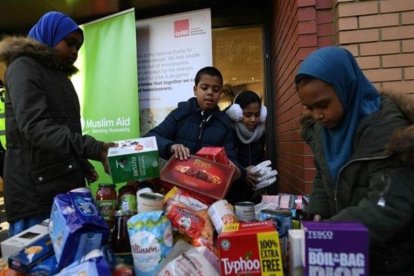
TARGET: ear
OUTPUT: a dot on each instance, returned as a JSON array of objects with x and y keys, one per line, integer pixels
[
  {"x": 263, "y": 114},
  {"x": 194, "y": 90},
  {"x": 235, "y": 112}
]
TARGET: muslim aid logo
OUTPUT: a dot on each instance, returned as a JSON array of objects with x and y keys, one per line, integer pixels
[{"x": 181, "y": 28}]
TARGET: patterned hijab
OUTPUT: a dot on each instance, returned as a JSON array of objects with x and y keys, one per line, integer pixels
[
  {"x": 337, "y": 67},
  {"x": 52, "y": 27}
]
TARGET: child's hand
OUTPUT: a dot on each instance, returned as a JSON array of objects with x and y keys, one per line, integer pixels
[
  {"x": 180, "y": 151},
  {"x": 104, "y": 155},
  {"x": 92, "y": 176},
  {"x": 251, "y": 178}
]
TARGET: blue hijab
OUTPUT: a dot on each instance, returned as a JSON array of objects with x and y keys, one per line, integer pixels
[
  {"x": 337, "y": 67},
  {"x": 52, "y": 27}
]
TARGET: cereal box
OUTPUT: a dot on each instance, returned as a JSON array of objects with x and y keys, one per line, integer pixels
[
  {"x": 199, "y": 175},
  {"x": 250, "y": 248},
  {"x": 135, "y": 159},
  {"x": 216, "y": 154},
  {"x": 336, "y": 248}
]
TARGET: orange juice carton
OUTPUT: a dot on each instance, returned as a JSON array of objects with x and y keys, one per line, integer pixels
[
  {"x": 250, "y": 248},
  {"x": 216, "y": 154}
]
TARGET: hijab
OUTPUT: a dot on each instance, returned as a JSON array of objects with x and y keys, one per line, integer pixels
[
  {"x": 52, "y": 27},
  {"x": 337, "y": 67}
]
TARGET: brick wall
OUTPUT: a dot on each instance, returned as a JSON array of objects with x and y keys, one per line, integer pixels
[
  {"x": 299, "y": 27},
  {"x": 380, "y": 34}
]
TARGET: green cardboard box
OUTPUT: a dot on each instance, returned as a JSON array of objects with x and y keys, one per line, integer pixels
[{"x": 135, "y": 159}]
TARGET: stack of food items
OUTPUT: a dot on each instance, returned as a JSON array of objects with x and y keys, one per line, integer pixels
[{"x": 176, "y": 224}]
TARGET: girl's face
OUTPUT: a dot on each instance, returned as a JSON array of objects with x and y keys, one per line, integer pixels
[
  {"x": 208, "y": 92},
  {"x": 322, "y": 102},
  {"x": 251, "y": 116},
  {"x": 68, "y": 48}
]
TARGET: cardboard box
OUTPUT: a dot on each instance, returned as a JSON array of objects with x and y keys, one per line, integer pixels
[
  {"x": 250, "y": 249},
  {"x": 16, "y": 243},
  {"x": 31, "y": 255},
  {"x": 135, "y": 159},
  {"x": 216, "y": 154},
  {"x": 296, "y": 245},
  {"x": 199, "y": 176},
  {"x": 336, "y": 248}
]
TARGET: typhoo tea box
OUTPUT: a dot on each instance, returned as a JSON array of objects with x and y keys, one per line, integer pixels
[
  {"x": 336, "y": 248},
  {"x": 135, "y": 159},
  {"x": 250, "y": 248}
]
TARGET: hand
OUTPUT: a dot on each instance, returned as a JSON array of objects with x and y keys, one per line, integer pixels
[
  {"x": 237, "y": 172},
  {"x": 317, "y": 217},
  {"x": 91, "y": 176},
  {"x": 180, "y": 151},
  {"x": 104, "y": 155},
  {"x": 251, "y": 178}
]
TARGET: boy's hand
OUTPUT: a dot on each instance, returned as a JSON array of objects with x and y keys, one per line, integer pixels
[{"x": 180, "y": 151}]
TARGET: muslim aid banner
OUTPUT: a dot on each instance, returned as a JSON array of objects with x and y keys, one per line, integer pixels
[
  {"x": 171, "y": 49},
  {"x": 107, "y": 81}
]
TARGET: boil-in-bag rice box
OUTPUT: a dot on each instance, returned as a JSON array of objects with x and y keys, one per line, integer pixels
[
  {"x": 135, "y": 159},
  {"x": 250, "y": 248},
  {"x": 336, "y": 248},
  {"x": 76, "y": 227}
]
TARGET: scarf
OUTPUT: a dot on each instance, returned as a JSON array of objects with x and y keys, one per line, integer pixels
[
  {"x": 337, "y": 67},
  {"x": 52, "y": 27},
  {"x": 247, "y": 136}
]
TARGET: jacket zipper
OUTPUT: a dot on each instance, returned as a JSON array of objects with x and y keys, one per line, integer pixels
[{"x": 343, "y": 167}]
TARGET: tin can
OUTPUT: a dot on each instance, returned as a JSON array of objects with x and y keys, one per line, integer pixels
[
  {"x": 244, "y": 211},
  {"x": 148, "y": 202},
  {"x": 221, "y": 213}
]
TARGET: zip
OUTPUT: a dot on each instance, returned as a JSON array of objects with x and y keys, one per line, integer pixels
[{"x": 335, "y": 197}]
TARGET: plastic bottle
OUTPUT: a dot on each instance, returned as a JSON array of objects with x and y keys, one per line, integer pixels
[
  {"x": 120, "y": 238},
  {"x": 127, "y": 198}
]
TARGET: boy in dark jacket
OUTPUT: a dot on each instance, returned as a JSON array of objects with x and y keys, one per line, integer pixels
[{"x": 197, "y": 122}]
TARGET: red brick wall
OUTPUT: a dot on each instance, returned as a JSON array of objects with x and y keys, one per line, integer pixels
[
  {"x": 380, "y": 34},
  {"x": 299, "y": 27}
]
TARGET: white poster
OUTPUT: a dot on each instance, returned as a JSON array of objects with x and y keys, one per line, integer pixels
[{"x": 171, "y": 49}]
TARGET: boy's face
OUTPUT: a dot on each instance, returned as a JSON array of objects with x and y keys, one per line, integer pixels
[
  {"x": 68, "y": 48},
  {"x": 322, "y": 102},
  {"x": 251, "y": 116},
  {"x": 208, "y": 92}
]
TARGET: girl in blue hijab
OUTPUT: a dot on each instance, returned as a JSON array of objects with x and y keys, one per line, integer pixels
[
  {"x": 360, "y": 140},
  {"x": 52, "y": 27}
]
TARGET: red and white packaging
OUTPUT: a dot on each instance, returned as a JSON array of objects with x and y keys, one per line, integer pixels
[
  {"x": 250, "y": 248},
  {"x": 201, "y": 176},
  {"x": 216, "y": 154}
]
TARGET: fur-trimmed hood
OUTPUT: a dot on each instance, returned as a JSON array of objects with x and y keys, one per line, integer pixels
[
  {"x": 13, "y": 47},
  {"x": 402, "y": 141}
]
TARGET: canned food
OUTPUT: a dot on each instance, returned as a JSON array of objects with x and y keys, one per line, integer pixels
[
  {"x": 221, "y": 213},
  {"x": 244, "y": 211},
  {"x": 148, "y": 202}
]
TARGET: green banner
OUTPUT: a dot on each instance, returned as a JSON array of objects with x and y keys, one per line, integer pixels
[{"x": 107, "y": 82}]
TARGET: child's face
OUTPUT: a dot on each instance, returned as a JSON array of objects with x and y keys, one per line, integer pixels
[
  {"x": 208, "y": 92},
  {"x": 251, "y": 116},
  {"x": 68, "y": 48},
  {"x": 322, "y": 102}
]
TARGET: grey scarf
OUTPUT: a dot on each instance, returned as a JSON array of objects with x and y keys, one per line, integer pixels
[{"x": 247, "y": 136}]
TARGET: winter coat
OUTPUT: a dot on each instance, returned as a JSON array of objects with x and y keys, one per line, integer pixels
[
  {"x": 46, "y": 152},
  {"x": 376, "y": 186},
  {"x": 184, "y": 125},
  {"x": 250, "y": 154}
]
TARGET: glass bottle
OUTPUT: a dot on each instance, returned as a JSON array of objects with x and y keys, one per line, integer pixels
[
  {"x": 106, "y": 198},
  {"x": 120, "y": 238},
  {"x": 127, "y": 198}
]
